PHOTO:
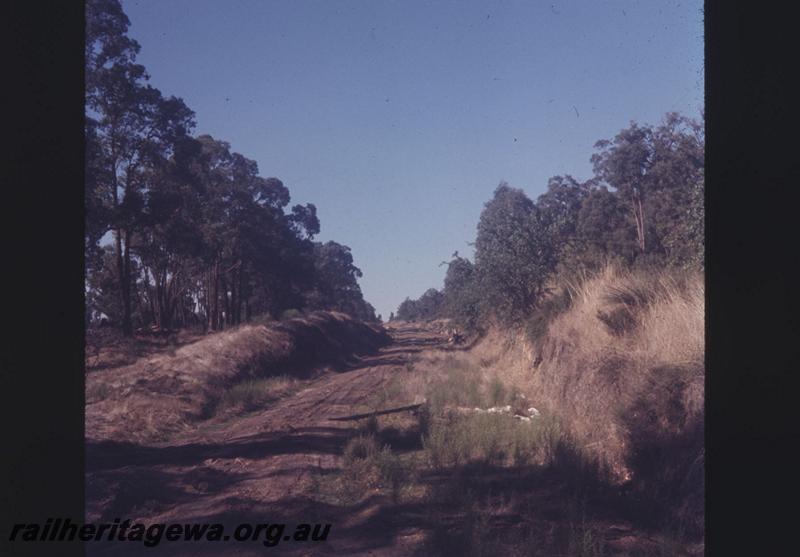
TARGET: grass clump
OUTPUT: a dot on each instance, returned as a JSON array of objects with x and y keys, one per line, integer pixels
[
  {"x": 459, "y": 385},
  {"x": 360, "y": 448},
  {"x": 584, "y": 540},
  {"x": 366, "y": 467},
  {"x": 493, "y": 439},
  {"x": 252, "y": 394}
]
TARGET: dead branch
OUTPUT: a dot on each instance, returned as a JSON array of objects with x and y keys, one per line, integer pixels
[{"x": 408, "y": 408}]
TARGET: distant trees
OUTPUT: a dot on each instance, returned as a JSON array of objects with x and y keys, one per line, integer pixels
[
  {"x": 197, "y": 235},
  {"x": 427, "y": 306},
  {"x": 462, "y": 296},
  {"x": 337, "y": 286},
  {"x": 643, "y": 206}
]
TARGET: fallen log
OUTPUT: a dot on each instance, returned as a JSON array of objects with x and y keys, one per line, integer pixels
[{"x": 354, "y": 417}]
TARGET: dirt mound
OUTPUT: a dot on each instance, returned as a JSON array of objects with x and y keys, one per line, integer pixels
[{"x": 154, "y": 398}]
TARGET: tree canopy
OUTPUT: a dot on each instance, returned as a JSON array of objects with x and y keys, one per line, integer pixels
[
  {"x": 197, "y": 234},
  {"x": 643, "y": 206}
]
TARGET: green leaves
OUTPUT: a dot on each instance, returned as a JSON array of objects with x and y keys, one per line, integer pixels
[
  {"x": 198, "y": 232},
  {"x": 427, "y": 306},
  {"x": 643, "y": 206},
  {"x": 514, "y": 254}
]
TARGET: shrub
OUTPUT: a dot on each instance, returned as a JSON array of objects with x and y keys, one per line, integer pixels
[
  {"x": 291, "y": 314},
  {"x": 361, "y": 447},
  {"x": 497, "y": 392},
  {"x": 393, "y": 473}
]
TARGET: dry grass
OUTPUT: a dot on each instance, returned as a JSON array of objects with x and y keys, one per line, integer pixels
[
  {"x": 107, "y": 348},
  {"x": 167, "y": 393},
  {"x": 256, "y": 393},
  {"x": 623, "y": 369},
  {"x": 493, "y": 439},
  {"x": 367, "y": 467},
  {"x": 628, "y": 338},
  {"x": 462, "y": 381},
  {"x": 615, "y": 364},
  {"x": 616, "y": 402}
]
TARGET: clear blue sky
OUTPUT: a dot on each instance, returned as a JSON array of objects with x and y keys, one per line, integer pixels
[{"x": 398, "y": 119}]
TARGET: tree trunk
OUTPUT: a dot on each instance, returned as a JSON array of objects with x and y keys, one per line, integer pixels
[
  {"x": 239, "y": 296},
  {"x": 123, "y": 271},
  {"x": 150, "y": 296},
  {"x": 638, "y": 213},
  {"x": 159, "y": 315},
  {"x": 226, "y": 314},
  {"x": 215, "y": 299},
  {"x": 207, "y": 299}
]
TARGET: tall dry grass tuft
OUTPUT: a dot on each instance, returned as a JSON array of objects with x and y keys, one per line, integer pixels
[
  {"x": 617, "y": 358},
  {"x": 623, "y": 367}
]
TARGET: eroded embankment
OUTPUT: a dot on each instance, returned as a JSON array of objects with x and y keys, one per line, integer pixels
[
  {"x": 153, "y": 399},
  {"x": 618, "y": 359}
]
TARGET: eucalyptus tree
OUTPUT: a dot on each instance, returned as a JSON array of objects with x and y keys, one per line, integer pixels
[
  {"x": 133, "y": 128},
  {"x": 657, "y": 171},
  {"x": 336, "y": 282},
  {"x": 513, "y": 254}
]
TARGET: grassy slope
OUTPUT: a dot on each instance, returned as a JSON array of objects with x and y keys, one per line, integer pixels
[
  {"x": 166, "y": 393},
  {"x": 623, "y": 369}
]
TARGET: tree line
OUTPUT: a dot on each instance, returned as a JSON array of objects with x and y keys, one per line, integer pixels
[
  {"x": 643, "y": 207},
  {"x": 197, "y": 235}
]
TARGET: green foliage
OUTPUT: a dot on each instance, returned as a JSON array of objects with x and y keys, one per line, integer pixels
[
  {"x": 291, "y": 314},
  {"x": 199, "y": 236},
  {"x": 427, "y": 306},
  {"x": 360, "y": 448},
  {"x": 336, "y": 285},
  {"x": 514, "y": 256},
  {"x": 643, "y": 208},
  {"x": 368, "y": 467},
  {"x": 458, "y": 386},
  {"x": 495, "y": 439},
  {"x": 462, "y": 297},
  {"x": 657, "y": 173}
]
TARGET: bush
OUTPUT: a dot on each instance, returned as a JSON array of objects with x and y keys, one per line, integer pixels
[
  {"x": 366, "y": 466},
  {"x": 362, "y": 447},
  {"x": 291, "y": 314}
]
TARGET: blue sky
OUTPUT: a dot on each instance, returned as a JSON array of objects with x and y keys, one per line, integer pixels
[{"x": 398, "y": 119}]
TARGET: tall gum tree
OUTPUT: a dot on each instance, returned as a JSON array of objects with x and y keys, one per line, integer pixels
[{"x": 133, "y": 126}]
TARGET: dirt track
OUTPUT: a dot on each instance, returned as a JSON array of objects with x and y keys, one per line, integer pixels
[{"x": 260, "y": 468}]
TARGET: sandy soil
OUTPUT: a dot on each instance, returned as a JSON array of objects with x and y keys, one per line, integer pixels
[
  {"x": 266, "y": 467},
  {"x": 259, "y": 468}
]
